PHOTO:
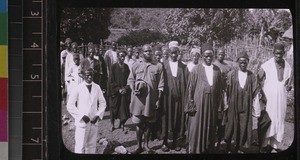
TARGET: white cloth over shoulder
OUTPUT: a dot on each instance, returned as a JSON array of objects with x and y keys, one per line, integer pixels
[
  {"x": 276, "y": 95},
  {"x": 190, "y": 66}
]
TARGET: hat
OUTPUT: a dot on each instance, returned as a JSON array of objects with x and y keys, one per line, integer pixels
[
  {"x": 279, "y": 46},
  {"x": 173, "y": 44},
  {"x": 196, "y": 50},
  {"x": 206, "y": 46},
  {"x": 243, "y": 54}
]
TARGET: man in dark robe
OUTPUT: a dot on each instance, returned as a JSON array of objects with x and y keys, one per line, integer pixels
[
  {"x": 204, "y": 90},
  {"x": 242, "y": 87},
  {"x": 102, "y": 69},
  {"x": 119, "y": 94},
  {"x": 173, "y": 120},
  {"x": 225, "y": 68},
  {"x": 147, "y": 84}
]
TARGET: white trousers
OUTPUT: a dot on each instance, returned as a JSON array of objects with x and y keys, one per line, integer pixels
[{"x": 86, "y": 139}]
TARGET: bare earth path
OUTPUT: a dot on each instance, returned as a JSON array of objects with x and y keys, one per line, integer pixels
[{"x": 127, "y": 138}]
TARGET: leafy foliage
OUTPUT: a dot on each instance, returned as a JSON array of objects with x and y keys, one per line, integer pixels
[
  {"x": 196, "y": 26},
  {"x": 85, "y": 24},
  {"x": 138, "y": 18},
  {"x": 140, "y": 37}
]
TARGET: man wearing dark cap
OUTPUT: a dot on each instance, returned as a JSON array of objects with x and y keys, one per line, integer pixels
[
  {"x": 87, "y": 105},
  {"x": 274, "y": 76},
  {"x": 147, "y": 84},
  {"x": 173, "y": 119},
  {"x": 225, "y": 68},
  {"x": 242, "y": 88},
  {"x": 203, "y": 96}
]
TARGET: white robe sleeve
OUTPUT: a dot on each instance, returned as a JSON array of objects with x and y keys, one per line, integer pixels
[
  {"x": 102, "y": 104},
  {"x": 71, "y": 106}
]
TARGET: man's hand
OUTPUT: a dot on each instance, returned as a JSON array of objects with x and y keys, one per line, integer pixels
[
  {"x": 95, "y": 119},
  {"x": 226, "y": 107},
  {"x": 86, "y": 119},
  {"x": 157, "y": 104}
]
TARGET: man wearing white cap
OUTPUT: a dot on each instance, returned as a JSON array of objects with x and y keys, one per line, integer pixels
[{"x": 195, "y": 52}]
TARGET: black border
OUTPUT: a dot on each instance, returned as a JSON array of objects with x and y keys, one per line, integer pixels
[{"x": 55, "y": 147}]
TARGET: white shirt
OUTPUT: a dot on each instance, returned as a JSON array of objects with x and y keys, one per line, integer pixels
[
  {"x": 209, "y": 73},
  {"x": 174, "y": 68},
  {"x": 242, "y": 78},
  {"x": 190, "y": 66}
]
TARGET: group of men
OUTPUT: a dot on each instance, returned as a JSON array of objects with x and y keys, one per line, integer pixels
[{"x": 203, "y": 102}]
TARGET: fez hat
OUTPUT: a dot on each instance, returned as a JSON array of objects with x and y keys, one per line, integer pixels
[
  {"x": 279, "y": 46},
  {"x": 243, "y": 54},
  {"x": 206, "y": 46}
]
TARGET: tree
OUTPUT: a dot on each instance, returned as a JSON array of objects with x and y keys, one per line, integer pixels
[
  {"x": 85, "y": 24},
  {"x": 138, "y": 18},
  {"x": 205, "y": 25},
  {"x": 141, "y": 37}
]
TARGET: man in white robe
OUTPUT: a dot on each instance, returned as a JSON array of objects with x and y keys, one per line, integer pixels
[
  {"x": 72, "y": 75},
  {"x": 89, "y": 110},
  {"x": 275, "y": 75}
]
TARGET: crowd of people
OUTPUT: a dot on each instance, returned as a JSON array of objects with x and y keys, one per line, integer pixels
[{"x": 202, "y": 103}]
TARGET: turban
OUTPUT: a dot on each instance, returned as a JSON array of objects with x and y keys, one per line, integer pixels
[
  {"x": 206, "y": 46},
  {"x": 196, "y": 50},
  {"x": 279, "y": 46},
  {"x": 243, "y": 54},
  {"x": 173, "y": 44}
]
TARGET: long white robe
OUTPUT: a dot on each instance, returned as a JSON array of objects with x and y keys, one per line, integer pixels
[
  {"x": 72, "y": 78},
  {"x": 89, "y": 104},
  {"x": 276, "y": 95}
]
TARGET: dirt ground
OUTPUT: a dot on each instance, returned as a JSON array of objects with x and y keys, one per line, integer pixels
[{"x": 127, "y": 138}]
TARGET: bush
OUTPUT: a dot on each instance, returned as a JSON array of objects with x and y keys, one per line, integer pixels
[{"x": 141, "y": 37}]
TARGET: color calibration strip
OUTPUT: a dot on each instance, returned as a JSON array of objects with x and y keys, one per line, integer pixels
[{"x": 3, "y": 81}]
